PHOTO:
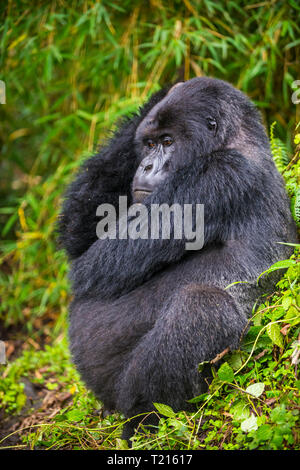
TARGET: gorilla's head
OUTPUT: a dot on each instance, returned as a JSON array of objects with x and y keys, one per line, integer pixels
[{"x": 194, "y": 119}]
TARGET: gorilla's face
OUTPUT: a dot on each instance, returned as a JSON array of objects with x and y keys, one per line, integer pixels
[
  {"x": 194, "y": 119},
  {"x": 158, "y": 152}
]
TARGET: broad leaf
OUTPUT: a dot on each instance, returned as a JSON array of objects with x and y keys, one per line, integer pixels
[
  {"x": 250, "y": 424},
  {"x": 164, "y": 410},
  {"x": 225, "y": 373},
  {"x": 273, "y": 331},
  {"x": 256, "y": 389}
]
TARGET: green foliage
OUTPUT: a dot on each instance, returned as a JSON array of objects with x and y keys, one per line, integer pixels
[
  {"x": 291, "y": 173},
  {"x": 74, "y": 423},
  {"x": 12, "y": 395},
  {"x": 164, "y": 410},
  {"x": 225, "y": 373},
  {"x": 35, "y": 279},
  {"x": 297, "y": 206},
  {"x": 279, "y": 150}
]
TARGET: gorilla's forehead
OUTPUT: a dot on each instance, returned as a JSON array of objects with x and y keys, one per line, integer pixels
[{"x": 198, "y": 85}]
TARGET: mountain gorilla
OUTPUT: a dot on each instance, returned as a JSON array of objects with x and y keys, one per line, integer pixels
[{"x": 146, "y": 312}]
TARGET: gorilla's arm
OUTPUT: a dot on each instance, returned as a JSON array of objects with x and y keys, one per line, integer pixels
[
  {"x": 101, "y": 179},
  {"x": 233, "y": 191}
]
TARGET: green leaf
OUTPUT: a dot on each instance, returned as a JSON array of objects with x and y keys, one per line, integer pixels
[
  {"x": 279, "y": 265},
  {"x": 274, "y": 334},
  {"x": 21, "y": 400},
  {"x": 235, "y": 360},
  {"x": 292, "y": 316},
  {"x": 264, "y": 432},
  {"x": 283, "y": 264},
  {"x": 164, "y": 410},
  {"x": 278, "y": 414},
  {"x": 202, "y": 397},
  {"x": 257, "y": 319},
  {"x": 256, "y": 389},
  {"x": 76, "y": 415},
  {"x": 225, "y": 373},
  {"x": 250, "y": 424},
  {"x": 240, "y": 410},
  {"x": 286, "y": 302}
]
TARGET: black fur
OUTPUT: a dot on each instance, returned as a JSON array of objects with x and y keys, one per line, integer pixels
[{"x": 146, "y": 312}]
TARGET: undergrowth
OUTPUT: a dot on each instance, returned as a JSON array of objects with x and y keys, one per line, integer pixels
[{"x": 252, "y": 403}]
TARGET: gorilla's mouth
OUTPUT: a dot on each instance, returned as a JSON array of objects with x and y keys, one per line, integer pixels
[{"x": 140, "y": 194}]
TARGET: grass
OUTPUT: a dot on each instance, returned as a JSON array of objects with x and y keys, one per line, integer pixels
[{"x": 71, "y": 70}]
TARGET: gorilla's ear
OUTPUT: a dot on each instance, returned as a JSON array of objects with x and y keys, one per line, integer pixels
[{"x": 174, "y": 86}]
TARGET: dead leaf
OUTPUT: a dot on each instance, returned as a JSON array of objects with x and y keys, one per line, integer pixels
[{"x": 284, "y": 330}]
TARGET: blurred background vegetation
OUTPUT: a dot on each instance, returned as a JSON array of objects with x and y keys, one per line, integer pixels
[{"x": 72, "y": 69}]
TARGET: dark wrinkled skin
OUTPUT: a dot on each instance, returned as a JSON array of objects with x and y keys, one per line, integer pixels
[{"x": 146, "y": 312}]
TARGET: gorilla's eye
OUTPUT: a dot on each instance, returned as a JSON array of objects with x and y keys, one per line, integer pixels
[
  {"x": 211, "y": 124},
  {"x": 148, "y": 167},
  {"x": 150, "y": 144},
  {"x": 167, "y": 141}
]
